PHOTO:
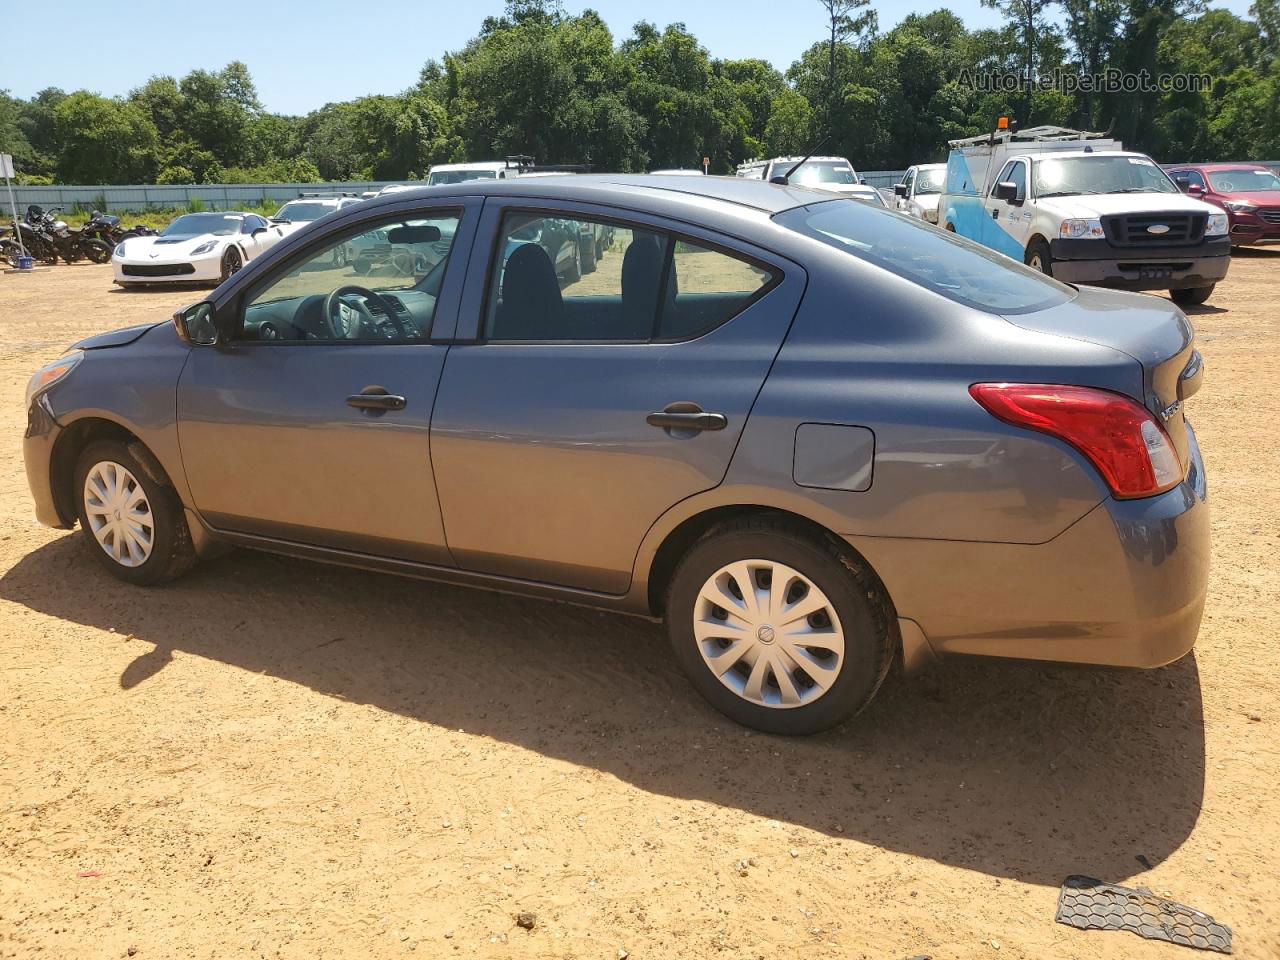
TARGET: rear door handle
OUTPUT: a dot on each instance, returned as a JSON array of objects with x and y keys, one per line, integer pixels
[
  {"x": 687, "y": 420},
  {"x": 376, "y": 398}
]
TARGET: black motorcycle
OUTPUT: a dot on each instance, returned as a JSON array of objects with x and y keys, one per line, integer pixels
[
  {"x": 49, "y": 238},
  {"x": 107, "y": 228}
]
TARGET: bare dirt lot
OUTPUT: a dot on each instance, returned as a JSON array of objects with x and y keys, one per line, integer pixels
[{"x": 271, "y": 758}]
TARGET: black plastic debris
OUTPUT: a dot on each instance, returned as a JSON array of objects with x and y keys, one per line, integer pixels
[{"x": 1090, "y": 904}]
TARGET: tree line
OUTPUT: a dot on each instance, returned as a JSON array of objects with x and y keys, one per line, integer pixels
[{"x": 562, "y": 88}]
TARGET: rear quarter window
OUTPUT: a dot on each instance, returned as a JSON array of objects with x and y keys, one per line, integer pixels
[{"x": 942, "y": 262}]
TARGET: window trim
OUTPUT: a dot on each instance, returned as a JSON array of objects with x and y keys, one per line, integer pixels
[
  {"x": 304, "y": 253},
  {"x": 776, "y": 274}
]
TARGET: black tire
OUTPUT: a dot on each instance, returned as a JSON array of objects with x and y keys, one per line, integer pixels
[
  {"x": 589, "y": 258},
  {"x": 852, "y": 588},
  {"x": 574, "y": 273},
  {"x": 172, "y": 553},
  {"x": 97, "y": 251},
  {"x": 1192, "y": 296},
  {"x": 1039, "y": 258},
  {"x": 231, "y": 263},
  {"x": 362, "y": 267}
]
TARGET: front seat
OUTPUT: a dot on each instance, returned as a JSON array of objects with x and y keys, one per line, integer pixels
[
  {"x": 532, "y": 307},
  {"x": 641, "y": 279}
]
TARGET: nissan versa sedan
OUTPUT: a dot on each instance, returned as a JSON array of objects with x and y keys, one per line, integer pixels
[{"x": 809, "y": 434}]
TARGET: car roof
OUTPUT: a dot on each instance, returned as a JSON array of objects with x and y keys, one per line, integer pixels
[
  {"x": 1077, "y": 152},
  {"x": 1219, "y": 167},
  {"x": 634, "y": 189}
]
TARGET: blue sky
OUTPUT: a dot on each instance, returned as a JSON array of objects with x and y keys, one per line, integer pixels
[{"x": 305, "y": 55}]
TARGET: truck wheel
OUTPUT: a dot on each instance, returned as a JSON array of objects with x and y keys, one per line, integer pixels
[
  {"x": 1192, "y": 296},
  {"x": 1039, "y": 258}
]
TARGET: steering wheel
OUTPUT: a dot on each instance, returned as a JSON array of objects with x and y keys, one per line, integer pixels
[{"x": 338, "y": 297}]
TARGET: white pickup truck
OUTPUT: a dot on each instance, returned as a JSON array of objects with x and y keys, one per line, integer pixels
[{"x": 1080, "y": 207}]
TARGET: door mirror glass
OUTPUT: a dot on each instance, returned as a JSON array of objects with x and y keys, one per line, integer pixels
[
  {"x": 1006, "y": 190},
  {"x": 900, "y": 189},
  {"x": 195, "y": 324}
]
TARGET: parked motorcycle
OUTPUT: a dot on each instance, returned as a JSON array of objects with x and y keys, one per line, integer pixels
[
  {"x": 107, "y": 228},
  {"x": 51, "y": 238}
]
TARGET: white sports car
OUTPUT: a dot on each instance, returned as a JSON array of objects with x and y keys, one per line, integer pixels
[{"x": 195, "y": 248}]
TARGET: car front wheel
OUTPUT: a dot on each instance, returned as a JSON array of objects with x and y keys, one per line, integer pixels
[
  {"x": 134, "y": 526},
  {"x": 231, "y": 262},
  {"x": 780, "y": 629}
]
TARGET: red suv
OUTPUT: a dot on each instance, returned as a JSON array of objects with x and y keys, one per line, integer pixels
[{"x": 1249, "y": 192}]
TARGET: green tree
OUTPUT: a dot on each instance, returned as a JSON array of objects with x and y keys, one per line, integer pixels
[{"x": 104, "y": 141}]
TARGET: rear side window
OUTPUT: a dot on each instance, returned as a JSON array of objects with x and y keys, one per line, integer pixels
[
  {"x": 561, "y": 279},
  {"x": 708, "y": 287},
  {"x": 949, "y": 265}
]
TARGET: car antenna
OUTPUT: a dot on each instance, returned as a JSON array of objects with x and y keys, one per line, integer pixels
[{"x": 786, "y": 177}]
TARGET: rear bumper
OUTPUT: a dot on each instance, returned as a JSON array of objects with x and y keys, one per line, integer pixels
[
  {"x": 1147, "y": 268},
  {"x": 1123, "y": 586}
]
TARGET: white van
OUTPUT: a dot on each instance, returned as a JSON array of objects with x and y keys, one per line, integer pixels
[
  {"x": 1080, "y": 207},
  {"x": 835, "y": 174}
]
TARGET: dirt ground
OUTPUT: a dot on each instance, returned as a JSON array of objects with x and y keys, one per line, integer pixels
[{"x": 272, "y": 758}]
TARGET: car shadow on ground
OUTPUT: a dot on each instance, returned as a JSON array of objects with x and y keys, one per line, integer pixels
[{"x": 1015, "y": 770}]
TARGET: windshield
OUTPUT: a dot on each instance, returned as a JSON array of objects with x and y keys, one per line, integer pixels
[
  {"x": 460, "y": 176},
  {"x": 930, "y": 181},
  {"x": 816, "y": 171},
  {"x": 1073, "y": 176},
  {"x": 194, "y": 224},
  {"x": 301, "y": 211},
  {"x": 1244, "y": 181},
  {"x": 942, "y": 262}
]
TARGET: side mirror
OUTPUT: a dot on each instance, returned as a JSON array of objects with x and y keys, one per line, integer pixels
[
  {"x": 900, "y": 189},
  {"x": 1183, "y": 181},
  {"x": 195, "y": 325},
  {"x": 1194, "y": 189},
  {"x": 258, "y": 230},
  {"x": 1006, "y": 190}
]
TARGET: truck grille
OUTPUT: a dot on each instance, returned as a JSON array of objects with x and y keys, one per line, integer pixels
[
  {"x": 1270, "y": 214},
  {"x": 157, "y": 269},
  {"x": 1133, "y": 229}
]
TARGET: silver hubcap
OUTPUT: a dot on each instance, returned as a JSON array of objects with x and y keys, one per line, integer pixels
[
  {"x": 118, "y": 513},
  {"x": 768, "y": 633}
]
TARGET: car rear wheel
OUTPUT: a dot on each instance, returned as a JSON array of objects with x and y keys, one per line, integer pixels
[
  {"x": 133, "y": 525},
  {"x": 589, "y": 258},
  {"x": 780, "y": 629},
  {"x": 231, "y": 262},
  {"x": 1192, "y": 296},
  {"x": 1038, "y": 257}
]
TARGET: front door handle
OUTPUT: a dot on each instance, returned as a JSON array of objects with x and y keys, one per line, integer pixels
[
  {"x": 687, "y": 416},
  {"x": 376, "y": 398}
]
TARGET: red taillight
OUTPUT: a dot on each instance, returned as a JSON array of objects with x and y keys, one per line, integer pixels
[{"x": 1118, "y": 435}]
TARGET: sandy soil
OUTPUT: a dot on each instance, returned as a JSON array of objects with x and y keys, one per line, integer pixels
[{"x": 276, "y": 759}]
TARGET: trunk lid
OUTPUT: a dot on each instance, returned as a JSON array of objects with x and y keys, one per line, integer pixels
[{"x": 1151, "y": 330}]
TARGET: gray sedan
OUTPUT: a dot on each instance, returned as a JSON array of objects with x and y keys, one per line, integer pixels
[{"x": 811, "y": 435}]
